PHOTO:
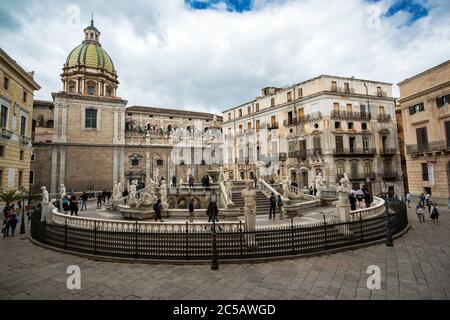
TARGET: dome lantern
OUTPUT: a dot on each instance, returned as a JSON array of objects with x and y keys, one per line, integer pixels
[{"x": 91, "y": 33}]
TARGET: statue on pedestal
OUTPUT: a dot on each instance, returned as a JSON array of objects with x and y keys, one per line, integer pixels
[
  {"x": 188, "y": 173},
  {"x": 344, "y": 190},
  {"x": 319, "y": 185},
  {"x": 62, "y": 191},
  {"x": 229, "y": 189},
  {"x": 285, "y": 185},
  {"x": 249, "y": 196},
  {"x": 45, "y": 203},
  {"x": 132, "y": 194},
  {"x": 221, "y": 175},
  {"x": 163, "y": 194}
]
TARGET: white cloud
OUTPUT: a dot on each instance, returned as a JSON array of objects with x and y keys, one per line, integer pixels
[{"x": 169, "y": 55}]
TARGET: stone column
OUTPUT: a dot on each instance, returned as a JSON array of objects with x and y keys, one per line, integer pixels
[
  {"x": 53, "y": 169},
  {"x": 115, "y": 165},
  {"x": 122, "y": 165},
  {"x": 62, "y": 164}
]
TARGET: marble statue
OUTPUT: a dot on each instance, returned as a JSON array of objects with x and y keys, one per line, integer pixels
[
  {"x": 215, "y": 123},
  {"x": 249, "y": 195},
  {"x": 221, "y": 175},
  {"x": 163, "y": 192},
  {"x": 319, "y": 185},
  {"x": 156, "y": 176},
  {"x": 229, "y": 189},
  {"x": 45, "y": 203},
  {"x": 344, "y": 190},
  {"x": 132, "y": 194},
  {"x": 62, "y": 192},
  {"x": 117, "y": 191},
  {"x": 285, "y": 185},
  {"x": 188, "y": 173}
]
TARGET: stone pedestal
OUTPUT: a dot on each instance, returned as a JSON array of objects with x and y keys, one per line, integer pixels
[
  {"x": 343, "y": 212},
  {"x": 229, "y": 214}
]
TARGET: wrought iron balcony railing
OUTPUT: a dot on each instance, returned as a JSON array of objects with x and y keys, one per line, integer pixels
[
  {"x": 353, "y": 151},
  {"x": 25, "y": 139},
  {"x": 350, "y": 115},
  {"x": 433, "y": 146},
  {"x": 382, "y": 117},
  {"x": 387, "y": 151}
]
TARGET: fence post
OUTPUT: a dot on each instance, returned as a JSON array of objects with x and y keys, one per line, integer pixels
[
  {"x": 136, "y": 241},
  {"x": 95, "y": 236},
  {"x": 65, "y": 233},
  {"x": 241, "y": 240},
  {"x": 361, "y": 226},
  {"x": 215, "y": 260},
  {"x": 389, "y": 241},
  {"x": 187, "y": 240},
  {"x": 325, "y": 231},
  {"x": 292, "y": 235}
]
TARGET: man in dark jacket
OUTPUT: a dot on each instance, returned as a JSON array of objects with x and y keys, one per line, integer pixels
[
  {"x": 157, "y": 208},
  {"x": 174, "y": 181},
  {"x": 191, "y": 182},
  {"x": 273, "y": 205}
]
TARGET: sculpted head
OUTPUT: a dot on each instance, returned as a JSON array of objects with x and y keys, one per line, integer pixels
[{"x": 43, "y": 188}]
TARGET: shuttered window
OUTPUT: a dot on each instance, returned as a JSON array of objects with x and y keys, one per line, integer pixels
[
  {"x": 339, "y": 144},
  {"x": 424, "y": 172},
  {"x": 447, "y": 133},
  {"x": 422, "y": 139}
]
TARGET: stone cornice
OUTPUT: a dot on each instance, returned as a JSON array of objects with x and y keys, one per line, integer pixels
[
  {"x": 64, "y": 95},
  {"x": 424, "y": 93}
]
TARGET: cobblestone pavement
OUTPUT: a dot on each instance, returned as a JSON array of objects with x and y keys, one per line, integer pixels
[{"x": 418, "y": 267}]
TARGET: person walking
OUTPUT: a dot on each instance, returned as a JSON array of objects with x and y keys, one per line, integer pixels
[
  {"x": 408, "y": 199},
  {"x": 311, "y": 191},
  {"x": 99, "y": 201},
  {"x": 191, "y": 211},
  {"x": 352, "y": 200},
  {"x": 428, "y": 202},
  {"x": 420, "y": 211},
  {"x": 434, "y": 213},
  {"x": 73, "y": 205},
  {"x": 279, "y": 205},
  {"x": 65, "y": 204},
  {"x": 213, "y": 213},
  {"x": 367, "y": 196},
  {"x": 360, "y": 198},
  {"x": 6, "y": 215},
  {"x": 174, "y": 181},
  {"x": 422, "y": 199},
  {"x": 13, "y": 221},
  {"x": 157, "y": 208},
  {"x": 84, "y": 199},
  {"x": 273, "y": 205}
]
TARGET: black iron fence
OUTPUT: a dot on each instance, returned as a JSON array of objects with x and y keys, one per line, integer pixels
[{"x": 292, "y": 239}]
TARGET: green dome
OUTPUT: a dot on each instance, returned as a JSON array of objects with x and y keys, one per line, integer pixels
[{"x": 90, "y": 54}]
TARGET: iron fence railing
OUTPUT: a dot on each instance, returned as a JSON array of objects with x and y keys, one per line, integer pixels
[{"x": 292, "y": 239}]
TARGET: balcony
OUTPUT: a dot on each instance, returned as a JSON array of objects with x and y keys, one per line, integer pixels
[
  {"x": 272, "y": 126},
  {"x": 389, "y": 174},
  {"x": 382, "y": 117},
  {"x": 299, "y": 154},
  {"x": 349, "y": 115},
  {"x": 387, "y": 151},
  {"x": 431, "y": 147},
  {"x": 249, "y": 132},
  {"x": 342, "y": 90},
  {"x": 282, "y": 156},
  {"x": 351, "y": 152},
  {"x": 314, "y": 152},
  {"x": 25, "y": 140},
  {"x": 292, "y": 122},
  {"x": 239, "y": 133},
  {"x": 7, "y": 134}
]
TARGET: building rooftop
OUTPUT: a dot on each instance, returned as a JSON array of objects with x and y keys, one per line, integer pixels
[
  {"x": 26, "y": 75},
  {"x": 176, "y": 112},
  {"x": 424, "y": 72}
]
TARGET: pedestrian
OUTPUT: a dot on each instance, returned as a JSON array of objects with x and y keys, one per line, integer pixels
[
  {"x": 191, "y": 211},
  {"x": 311, "y": 191},
  {"x": 108, "y": 195},
  {"x": 125, "y": 194},
  {"x": 255, "y": 180},
  {"x": 279, "y": 204},
  {"x": 66, "y": 204},
  {"x": 408, "y": 199},
  {"x": 191, "y": 182},
  {"x": 315, "y": 190},
  {"x": 6, "y": 215},
  {"x": 213, "y": 213},
  {"x": 13, "y": 221},
  {"x": 99, "y": 201},
  {"x": 367, "y": 196},
  {"x": 422, "y": 199},
  {"x": 273, "y": 205},
  {"x": 352, "y": 199},
  {"x": 428, "y": 202},
  {"x": 174, "y": 181},
  {"x": 420, "y": 211},
  {"x": 84, "y": 199},
  {"x": 360, "y": 198},
  {"x": 435, "y": 213},
  {"x": 157, "y": 208},
  {"x": 73, "y": 205}
]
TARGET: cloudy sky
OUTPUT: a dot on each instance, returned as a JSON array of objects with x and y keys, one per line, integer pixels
[{"x": 210, "y": 55}]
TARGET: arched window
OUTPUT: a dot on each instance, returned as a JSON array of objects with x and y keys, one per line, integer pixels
[
  {"x": 72, "y": 87},
  {"x": 91, "y": 88},
  {"x": 108, "y": 91}
]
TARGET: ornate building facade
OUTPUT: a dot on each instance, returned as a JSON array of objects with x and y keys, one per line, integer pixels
[
  {"x": 16, "y": 102},
  {"x": 87, "y": 139},
  {"x": 425, "y": 107},
  {"x": 327, "y": 124}
]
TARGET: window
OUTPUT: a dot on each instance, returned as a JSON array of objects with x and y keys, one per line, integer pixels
[
  {"x": 2, "y": 151},
  {"x": 24, "y": 96},
  {"x": 442, "y": 101},
  {"x": 249, "y": 109},
  {"x": 272, "y": 102},
  {"x": 316, "y": 142},
  {"x": 301, "y": 114},
  {"x": 249, "y": 125},
  {"x": 91, "y": 88},
  {"x": 349, "y": 107},
  {"x": 333, "y": 86},
  {"x": 108, "y": 91},
  {"x": 340, "y": 168},
  {"x": 384, "y": 143},
  {"x": 4, "y": 117},
  {"x": 31, "y": 180},
  {"x": 33, "y": 155},
  {"x": 367, "y": 168},
  {"x": 290, "y": 121},
  {"x": 300, "y": 92},
  {"x": 339, "y": 143},
  {"x": 90, "y": 119},
  {"x": 72, "y": 87},
  {"x": 302, "y": 145},
  {"x": 135, "y": 162},
  {"x": 447, "y": 133},
  {"x": 424, "y": 171},
  {"x": 258, "y": 125},
  {"x": 364, "y": 126},
  {"x": 240, "y": 112},
  {"x": 274, "y": 147},
  {"x": 354, "y": 166},
  {"x": 337, "y": 125},
  {"x": 351, "y": 125},
  {"x": 159, "y": 162},
  {"x": 381, "y": 110},
  {"x": 365, "y": 142},
  {"x": 5, "y": 83},
  {"x": 20, "y": 178},
  {"x": 336, "y": 106},
  {"x": 21, "y": 155},
  {"x": 273, "y": 121},
  {"x": 289, "y": 96},
  {"x": 23, "y": 125},
  {"x": 379, "y": 92},
  {"x": 257, "y": 107},
  {"x": 229, "y": 116},
  {"x": 352, "y": 144},
  {"x": 240, "y": 127},
  {"x": 346, "y": 87},
  {"x": 422, "y": 139},
  {"x": 416, "y": 108}
]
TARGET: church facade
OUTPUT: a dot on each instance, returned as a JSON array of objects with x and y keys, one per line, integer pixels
[{"x": 88, "y": 139}]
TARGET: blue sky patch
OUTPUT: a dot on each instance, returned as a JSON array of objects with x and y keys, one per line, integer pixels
[
  {"x": 413, "y": 7},
  {"x": 232, "y": 5}
]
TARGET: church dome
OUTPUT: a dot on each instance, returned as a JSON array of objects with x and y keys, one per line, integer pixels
[{"x": 90, "y": 54}]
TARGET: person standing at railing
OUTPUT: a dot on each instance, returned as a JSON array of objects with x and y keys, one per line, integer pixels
[
  {"x": 174, "y": 181},
  {"x": 99, "y": 201},
  {"x": 84, "y": 199},
  {"x": 408, "y": 199},
  {"x": 367, "y": 196},
  {"x": 352, "y": 199},
  {"x": 157, "y": 207},
  {"x": 279, "y": 205},
  {"x": 73, "y": 205},
  {"x": 273, "y": 205},
  {"x": 191, "y": 211}
]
